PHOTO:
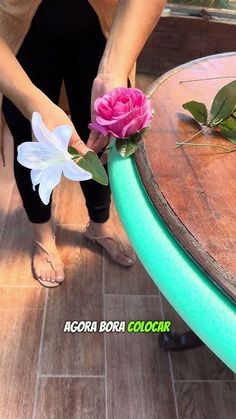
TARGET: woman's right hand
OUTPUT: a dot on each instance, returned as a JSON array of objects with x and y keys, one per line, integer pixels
[
  {"x": 53, "y": 116},
  {"x": 16, "y": 85}
]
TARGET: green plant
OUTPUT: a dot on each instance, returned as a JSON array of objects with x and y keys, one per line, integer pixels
[{"x": 222, "y": 116}]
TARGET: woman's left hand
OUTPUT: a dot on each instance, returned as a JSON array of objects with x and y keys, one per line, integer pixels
[{"x": 102, "y": 84}]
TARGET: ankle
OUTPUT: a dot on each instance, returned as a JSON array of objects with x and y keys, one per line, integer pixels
[
  {"x": 43, "y": 232},
  {"x": 98, "y": 226}
]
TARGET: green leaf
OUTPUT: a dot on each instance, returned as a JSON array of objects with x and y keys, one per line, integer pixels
[
  {"x": 198, "y": 110},
  {"x": 72, "y": 150},
  {"x": 126, "y": 147},
  {"x": 228, "y": 129},
  {"x": 92, "y": 164},
  {"x": 223, "y": 103}
]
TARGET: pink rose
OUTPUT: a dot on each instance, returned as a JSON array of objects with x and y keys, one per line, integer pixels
[{"x": 122, "y": 112}]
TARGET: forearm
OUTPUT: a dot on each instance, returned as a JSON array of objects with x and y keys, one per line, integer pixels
[
  {"x": 133, "y": 23},
  {"x": 15, "y": 84}
]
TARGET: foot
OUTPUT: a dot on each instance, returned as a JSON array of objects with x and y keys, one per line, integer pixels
[
  {"x": 46, "y": 263},
  {"x": 104, "y": 234}
]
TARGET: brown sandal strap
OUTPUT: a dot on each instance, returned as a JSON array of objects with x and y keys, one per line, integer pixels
[
  {"x": 49, "y": 254},
  {"x": 115, "y": 239}
]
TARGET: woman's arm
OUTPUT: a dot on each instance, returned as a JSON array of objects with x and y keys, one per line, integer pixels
[
  {"x": 14, "y": 82},
  {"x": 16, "y": 85},
  {"x": 133, "y": 23}
]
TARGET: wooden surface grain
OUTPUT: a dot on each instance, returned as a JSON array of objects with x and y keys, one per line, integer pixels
[
  {"x": 73, "y": 398},
  {"x": 196, "y": 400},
  {"x": 193, "y": 188}
]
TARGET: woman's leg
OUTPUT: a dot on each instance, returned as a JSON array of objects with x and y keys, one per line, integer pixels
[
  {"x": 39, "y": 57},
  {"x": 85, "y": 47}
]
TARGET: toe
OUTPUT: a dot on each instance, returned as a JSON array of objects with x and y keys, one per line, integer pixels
[
  {"x": 59, "y": 274},
  {"x": 51, "y": 276},
  {"x": 37, "y": 273},
  {"x": 128, "y": 260},
  {"x": 129, "y": 254}
]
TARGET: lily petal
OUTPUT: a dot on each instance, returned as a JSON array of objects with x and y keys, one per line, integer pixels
[
  {"x": 40, "y": 130},
  {"x": 72, "y": 171},
  {"x": 63, "y": 133},
  {"x": 36, "y": 175},
  {"x": 33, "y": 154},
  {"x": 50, "y": 178}
]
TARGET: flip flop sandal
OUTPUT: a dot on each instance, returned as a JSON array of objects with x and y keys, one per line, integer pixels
[
  {"x": 116, "y": 240},
  {"x": 45, "y": 283}
]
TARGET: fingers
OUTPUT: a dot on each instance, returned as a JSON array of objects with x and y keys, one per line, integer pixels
[
  {"x": 78, "y": 144},
  {"x": 103, "y": 158},
  {"x": 97, "y": 141}
]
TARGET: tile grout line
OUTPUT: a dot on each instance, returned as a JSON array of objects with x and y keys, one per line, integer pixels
[
  {"x": 132, "y": 295},
  {"x": 105, "y": 341},
  {"x": 39, "y": 357},
  {"x": 69, "y": 376},
  {"x": 21, "y": 286},
  {"x": 204, "y": 381},
  {"x": 171, "y": 368}
]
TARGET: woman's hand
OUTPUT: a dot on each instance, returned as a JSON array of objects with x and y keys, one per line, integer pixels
[
  {"x": 102, "y": 84},
  {"x": 16, "y": 85},
  {"x": 53, "y": 116}
]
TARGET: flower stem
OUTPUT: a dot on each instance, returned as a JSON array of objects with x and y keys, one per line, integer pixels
[
  {"x": 209, "y": 78},
  {"x": 75, "y": 156},
  {"x": 192, "y": 136},
  {"x": 228, "y": 150}
]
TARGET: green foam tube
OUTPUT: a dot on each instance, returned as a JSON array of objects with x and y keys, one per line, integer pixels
[{"x": 202, "y": 305}]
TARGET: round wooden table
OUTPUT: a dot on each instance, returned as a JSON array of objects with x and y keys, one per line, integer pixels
[
  {"x": 178, "y": 205},
  {"x": 193, "y": 188}
]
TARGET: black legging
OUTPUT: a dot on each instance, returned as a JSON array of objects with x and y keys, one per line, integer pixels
[{"x": 65, "y": 41}]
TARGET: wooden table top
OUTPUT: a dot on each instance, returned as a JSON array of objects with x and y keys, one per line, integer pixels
[{"x": 193, "y": 188}]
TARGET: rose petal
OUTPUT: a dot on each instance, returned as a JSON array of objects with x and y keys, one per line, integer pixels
[{"x": 95, "y": 126}]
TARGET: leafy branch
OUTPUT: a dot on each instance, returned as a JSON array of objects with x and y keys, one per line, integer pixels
[{"x": 222, "y": 115}]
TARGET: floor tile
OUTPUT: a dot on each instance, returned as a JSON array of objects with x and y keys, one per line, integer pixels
[
  {"x": 79, "y": 298},
  {"x": 194, "y": 364},
  {"x": 138, "y": 376},
  {"x": 122, "y": 280},
  {"x": 20, "y": 332},
  {"x": 69, "y": 203},
  {"x": 16, "y": 245},
  {"x": 73, "y": 398},
  {"x": 215, "y": 400}
]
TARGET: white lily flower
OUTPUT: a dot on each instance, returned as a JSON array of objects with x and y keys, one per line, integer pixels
[{"x": 49, "y": 157}]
